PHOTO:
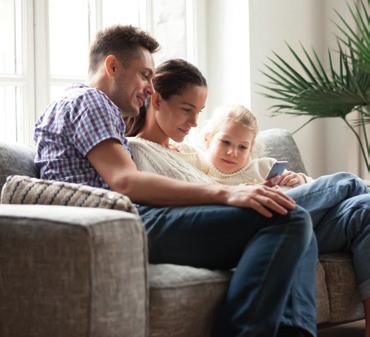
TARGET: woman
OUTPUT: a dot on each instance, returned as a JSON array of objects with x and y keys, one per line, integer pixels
[
  {"x": 183, "y": 94},
  {"x": 338, "y": 204}
]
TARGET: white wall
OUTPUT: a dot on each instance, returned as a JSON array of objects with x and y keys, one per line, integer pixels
[
  {"x": 342, "y": 151},
  {"x": 326, "y": 146},
  {"x": 273, "y": 23},
  {"x": 228, "y": 73}
]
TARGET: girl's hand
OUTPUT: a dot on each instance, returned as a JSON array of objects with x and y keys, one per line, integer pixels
[
  {"x": 291, "y": 179},
  {"x": 273, "y": 182}
]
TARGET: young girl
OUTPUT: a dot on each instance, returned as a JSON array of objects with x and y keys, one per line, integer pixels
[{"x": 229, "y": 139}]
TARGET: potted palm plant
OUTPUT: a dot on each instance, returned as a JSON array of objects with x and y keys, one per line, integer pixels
[{"x": 334, "y": 91}]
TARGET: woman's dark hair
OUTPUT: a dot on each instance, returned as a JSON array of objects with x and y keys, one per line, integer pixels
[{"x": 171, "y": 78}]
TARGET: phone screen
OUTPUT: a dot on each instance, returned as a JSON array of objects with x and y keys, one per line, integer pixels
[{"x": 277, "y": 169}]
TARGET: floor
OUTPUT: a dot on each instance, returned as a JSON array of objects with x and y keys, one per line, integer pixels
[{"x": 356, "y": 329}]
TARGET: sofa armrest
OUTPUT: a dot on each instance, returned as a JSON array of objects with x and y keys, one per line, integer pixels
[{"x": 71, "y": 271}]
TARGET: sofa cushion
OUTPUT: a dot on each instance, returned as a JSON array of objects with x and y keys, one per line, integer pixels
[
  {"x": 183, "y": 299},
  {"x": 345, "y": 302},
  {"x": 16, "y": 159},
  {"x": 27, "y": 190},
  {"x": 183, "y": 294},
  {"x": 322, "y": 297},
  {"x": 279, "y": 144}
]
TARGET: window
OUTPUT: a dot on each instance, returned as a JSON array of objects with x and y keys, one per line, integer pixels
[
  {"x": 45, "y": 48},
  {"x": 16, "y": 75}
]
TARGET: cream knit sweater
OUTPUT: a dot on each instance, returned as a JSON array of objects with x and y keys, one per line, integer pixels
[
  {"x": 152, "y": 157},
  {"x": 253, "y": 173},
  {"x": 189, "y": 164}
]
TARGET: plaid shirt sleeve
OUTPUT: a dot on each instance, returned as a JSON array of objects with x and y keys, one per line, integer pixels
[{"x": 96, "y": 120}]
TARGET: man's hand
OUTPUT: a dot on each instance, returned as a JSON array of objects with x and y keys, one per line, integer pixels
[{"x": 261, "y": 198}]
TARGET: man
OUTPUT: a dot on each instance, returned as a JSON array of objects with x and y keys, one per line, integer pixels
[{"x": 255, "y": 229}]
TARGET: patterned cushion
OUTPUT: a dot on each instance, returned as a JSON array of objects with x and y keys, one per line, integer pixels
[{"x": 27, "y": 190}]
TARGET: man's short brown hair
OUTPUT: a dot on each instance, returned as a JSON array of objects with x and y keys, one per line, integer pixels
[{"x": 121, "y": 41}]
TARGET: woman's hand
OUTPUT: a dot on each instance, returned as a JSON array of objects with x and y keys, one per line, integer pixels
[{"x": 291, "y": 179}]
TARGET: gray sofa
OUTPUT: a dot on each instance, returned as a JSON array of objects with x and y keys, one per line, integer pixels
[{"x": 72, "y": 271}]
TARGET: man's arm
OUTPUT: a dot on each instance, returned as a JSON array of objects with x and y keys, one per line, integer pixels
[{"x": 116, "y": 167}]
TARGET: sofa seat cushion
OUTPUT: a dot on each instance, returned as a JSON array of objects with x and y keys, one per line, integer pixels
[
  {"x": 183, "y": 294},
  {"x": 183, "y": 299},
  {"x": 27, "y": 190},
  {"x": 322, "y": 301},
  {"x": 345, "y": 302}
]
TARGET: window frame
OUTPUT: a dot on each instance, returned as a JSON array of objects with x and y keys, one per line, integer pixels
[
  {"x": 25, "y": 80},
  {"x": 35, "y": 80}
]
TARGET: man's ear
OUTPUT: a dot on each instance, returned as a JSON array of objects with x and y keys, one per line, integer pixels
[
  {"x": 111, "y": 65},
  {"x": 156, "y": 100}
]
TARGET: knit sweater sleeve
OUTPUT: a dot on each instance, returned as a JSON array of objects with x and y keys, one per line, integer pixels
[
  {"x": 194, "y": 156},
  {"x": 306, "y": 178},
  {"x": 152, "y": 157}
]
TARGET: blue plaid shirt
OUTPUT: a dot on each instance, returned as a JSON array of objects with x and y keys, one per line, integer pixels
[{"x": 69, "y": 128}]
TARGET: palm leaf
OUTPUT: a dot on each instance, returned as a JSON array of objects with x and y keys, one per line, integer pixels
[
  {"x": 333, "y": 95},
  {"x": 357, "y": 39},
  {"x": 310, "y": 75},
  {"x": 316, "y": 91}
]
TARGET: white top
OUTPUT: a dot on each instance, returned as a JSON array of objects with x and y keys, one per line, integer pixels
[
  {"x": 188, "y": 163},
  {"x": 254, "y": 173},
  {"x": 153, "y": 157}
]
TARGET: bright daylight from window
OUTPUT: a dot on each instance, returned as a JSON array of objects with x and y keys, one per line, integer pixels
[{"x": 45, "y": 47}]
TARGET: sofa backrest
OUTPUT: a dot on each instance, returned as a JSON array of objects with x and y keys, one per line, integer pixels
[
  {"x": 16, "y": 159},
  {"x": 279, "y": 144}
]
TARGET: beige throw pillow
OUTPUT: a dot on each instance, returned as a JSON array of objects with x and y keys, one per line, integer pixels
[{"x": 27, "y": 190}]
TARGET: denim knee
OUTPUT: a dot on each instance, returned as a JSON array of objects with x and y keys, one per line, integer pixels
[
  {"x": 301, "y": 223},
  {"x": 357, "y": 185}
]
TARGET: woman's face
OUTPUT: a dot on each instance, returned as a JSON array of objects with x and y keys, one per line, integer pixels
[{"x": 179, "y": 113}]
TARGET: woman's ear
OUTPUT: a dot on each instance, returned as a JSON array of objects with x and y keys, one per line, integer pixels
[{"x": 156, "y": 100}]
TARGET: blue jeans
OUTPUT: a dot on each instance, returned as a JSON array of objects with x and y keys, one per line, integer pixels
[
  {"x": 274, "y": 258},
  {"x": 339, "y": 207}
]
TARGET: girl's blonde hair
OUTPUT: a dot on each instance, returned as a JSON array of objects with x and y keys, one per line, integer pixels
[{"x": 237, "y": 113}]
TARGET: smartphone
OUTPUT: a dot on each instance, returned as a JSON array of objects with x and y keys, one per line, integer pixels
[{"x": 277, "y": 169}]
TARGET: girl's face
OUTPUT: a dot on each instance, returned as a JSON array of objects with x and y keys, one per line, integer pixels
[
  {"x": 177, "y": 115},
  {"x": 230, "y": 148}
]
